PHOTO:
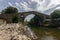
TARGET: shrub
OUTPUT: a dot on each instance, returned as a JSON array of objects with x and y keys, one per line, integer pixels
[
  {"x": 15, "y": 19},
  {"x": 10, "y": 10}
]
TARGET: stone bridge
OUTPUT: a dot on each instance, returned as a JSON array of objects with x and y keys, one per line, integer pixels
[{"x": 22, "y": 15}]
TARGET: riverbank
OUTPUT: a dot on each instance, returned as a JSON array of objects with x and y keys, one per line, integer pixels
[{"x": 15, "y": 31}]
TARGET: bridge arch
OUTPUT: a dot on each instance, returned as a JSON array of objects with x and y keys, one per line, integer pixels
[{"x": 24, "y": 14}]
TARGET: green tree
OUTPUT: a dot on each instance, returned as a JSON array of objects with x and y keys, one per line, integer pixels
[
  {"x": 36, "y": 21},
  {"x": 10, "y": 10},
  {"x": 55, "y": 16}
]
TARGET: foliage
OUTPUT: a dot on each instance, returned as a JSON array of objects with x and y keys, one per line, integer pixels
[
  {"x": 55, "y": 14},
  {"x": 15, "y": 19},
  {"x": 10, "y": 10},
  {"x": 55, "y": 17},
  {"x": 36, "y": 21}
]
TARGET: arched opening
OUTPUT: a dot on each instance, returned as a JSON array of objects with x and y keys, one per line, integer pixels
[
  {"x": 29, "y": 17},
  {"x": 33, "y": 20}
]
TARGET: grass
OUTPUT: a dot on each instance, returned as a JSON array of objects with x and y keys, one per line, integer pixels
[{"x": 39, "y": 31}]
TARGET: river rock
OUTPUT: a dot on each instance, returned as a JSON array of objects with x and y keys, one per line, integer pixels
[{"x": 16, "y": 31}]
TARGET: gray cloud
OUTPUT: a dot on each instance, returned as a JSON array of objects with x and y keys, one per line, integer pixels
[
  {"x": 50, "y": 10},
  {"x": 44, "y": 6}
]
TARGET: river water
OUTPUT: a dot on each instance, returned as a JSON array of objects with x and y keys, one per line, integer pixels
[{"x": 48, "y": 38}]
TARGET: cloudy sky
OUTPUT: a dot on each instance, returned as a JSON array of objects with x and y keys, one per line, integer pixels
[{"x": 44, "y": 6}]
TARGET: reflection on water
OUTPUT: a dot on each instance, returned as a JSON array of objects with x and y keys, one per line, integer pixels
[{"x": 48, "y": 38}]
